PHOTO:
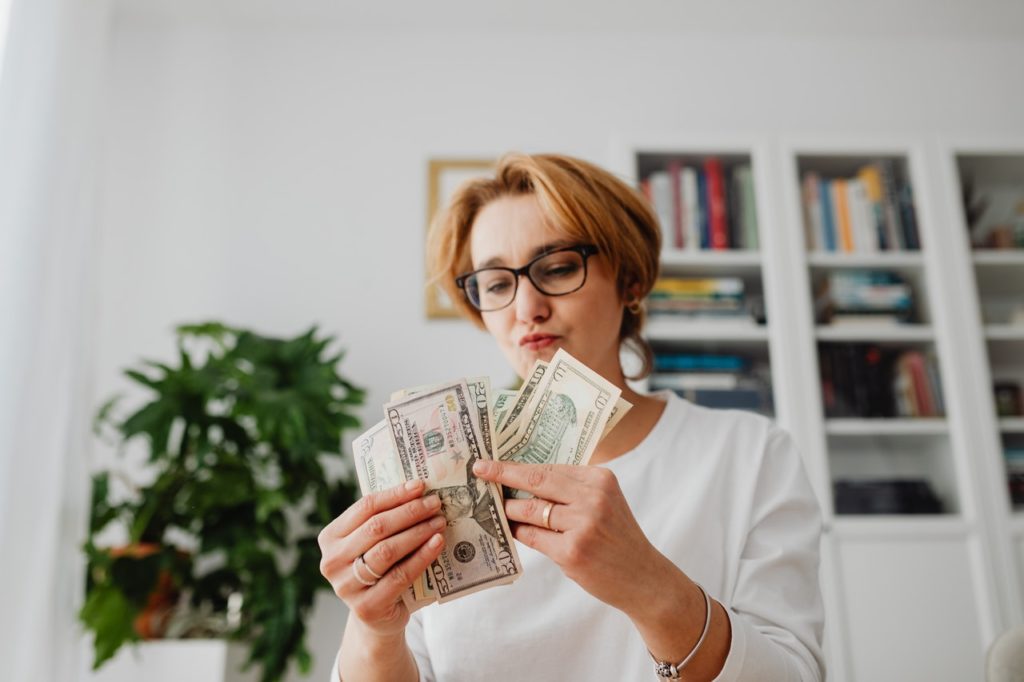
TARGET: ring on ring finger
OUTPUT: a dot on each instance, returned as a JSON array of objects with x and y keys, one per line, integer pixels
[
  {"x": 357, "y": 567},
  {"x": 546, "y": 515}
]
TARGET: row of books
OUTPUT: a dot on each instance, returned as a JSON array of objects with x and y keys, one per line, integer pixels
[
  {"x": 855, "y": 296},
  {"x": 869, "y": 212},
  {"x": 866, "y": 380},
  {"x": 706, "y": 206},
  {"x": 718, "y": 380},
  {"x": 885, "y": 496},
  {"x": 714, "y": 297}
]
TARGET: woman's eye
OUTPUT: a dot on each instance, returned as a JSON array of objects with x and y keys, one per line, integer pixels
[
  {"x": 497, "y": 287},
  {"x": 561, "y": 270}
]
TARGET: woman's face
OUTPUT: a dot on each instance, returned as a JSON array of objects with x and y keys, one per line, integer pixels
[{"x": 510, "y": 232}]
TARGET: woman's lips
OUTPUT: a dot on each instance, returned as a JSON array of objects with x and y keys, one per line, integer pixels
[{"x": 537, "y": 341}]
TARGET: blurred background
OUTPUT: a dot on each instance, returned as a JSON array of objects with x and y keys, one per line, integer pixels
[{"x": 265, "y": 163}]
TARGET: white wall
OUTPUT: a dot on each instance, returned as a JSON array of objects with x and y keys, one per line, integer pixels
[{"x": 274, "y": 175}]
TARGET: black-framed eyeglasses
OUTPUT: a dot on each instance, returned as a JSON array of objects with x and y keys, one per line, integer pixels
[{"x": 555, "y": 273}]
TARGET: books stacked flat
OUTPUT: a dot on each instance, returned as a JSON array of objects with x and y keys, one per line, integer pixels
[
  {"x": 715, "y": 297},
  {"x": 871, "y": 211},
  {"x": 704, "y": 206},
  {"x": 713, "y": 380},
  {"x": 864, "y": 380},
  {"x": 864, "y": 296}
]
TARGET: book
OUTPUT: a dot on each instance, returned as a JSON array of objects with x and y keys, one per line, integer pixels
[
  {"x": 827, "y": 216},
  {"x": 840, "y": 201},
  {"x": 871, "y": 178},
  {"x": 660, "y": 183},
  {"x": 748, "y": 207},
  {"x": 693, "y": 381},
  {"x": 676, "y": 182},
  {"x": 710, "y": 362},
  {"x": 813, "y": 224},
  {"x": 691, "y": 207},
  {"x": 703, "y": 218},
  {"x": 717, "y": 225}
]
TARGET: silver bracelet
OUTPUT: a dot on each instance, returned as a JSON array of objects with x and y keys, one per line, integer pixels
[{"x": 668, "y": 671}]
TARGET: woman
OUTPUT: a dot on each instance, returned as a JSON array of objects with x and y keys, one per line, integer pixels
[{"x": 691, "y": 539}]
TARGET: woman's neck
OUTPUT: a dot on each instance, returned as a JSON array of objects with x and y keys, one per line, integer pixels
[{"x": 633, "y": 428}]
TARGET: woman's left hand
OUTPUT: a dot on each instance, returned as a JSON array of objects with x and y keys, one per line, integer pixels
[{"x": 590, "y": 531}]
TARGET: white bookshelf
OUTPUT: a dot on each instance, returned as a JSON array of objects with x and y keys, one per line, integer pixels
[{"x": 976, "y": 545}]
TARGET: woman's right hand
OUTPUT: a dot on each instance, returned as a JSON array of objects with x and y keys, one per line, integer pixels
[{"x": 398, "y": 534}]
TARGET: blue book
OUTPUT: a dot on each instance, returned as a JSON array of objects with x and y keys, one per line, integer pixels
[
  {"x": 827, "y": 215},
  {"x": 688, "y": 362}
]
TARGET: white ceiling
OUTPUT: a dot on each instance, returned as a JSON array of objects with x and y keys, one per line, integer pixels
[{"x": 997, "y": 19}]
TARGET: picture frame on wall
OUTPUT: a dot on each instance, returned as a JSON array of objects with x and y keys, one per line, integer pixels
[{"x": 444, "y": 175}]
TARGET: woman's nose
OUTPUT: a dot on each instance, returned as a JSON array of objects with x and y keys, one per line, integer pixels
[{"x": 531, "y": 305}]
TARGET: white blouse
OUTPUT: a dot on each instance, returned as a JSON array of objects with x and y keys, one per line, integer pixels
[{"x": 724, "y": 495}]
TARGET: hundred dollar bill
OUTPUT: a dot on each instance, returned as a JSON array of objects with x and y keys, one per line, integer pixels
[
  {"x": 565, "y": 419},
  {"x": 438, "y": 436},
  {"x": 378, "y": 468}
]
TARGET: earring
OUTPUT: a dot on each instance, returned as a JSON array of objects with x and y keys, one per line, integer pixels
[{"x": 635, "y": 306}]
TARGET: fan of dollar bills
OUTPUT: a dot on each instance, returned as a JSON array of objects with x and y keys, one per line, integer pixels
[{"x": 436, "y": 433}]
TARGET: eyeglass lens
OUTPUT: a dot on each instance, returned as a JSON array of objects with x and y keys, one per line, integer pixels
[{"x": 557, "y": 273}]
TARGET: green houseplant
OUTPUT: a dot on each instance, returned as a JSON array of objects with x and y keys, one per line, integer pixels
[{"x": 221, "y": 538}]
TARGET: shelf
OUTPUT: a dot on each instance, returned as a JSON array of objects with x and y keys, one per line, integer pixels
[
  {"x": 1011, "y": 424},
  {"x": 899, "y": 527},
  {"x": 1004, "y": 332},
  {"x": 712, "y": 261},
  {"x": 907, "y": 426},
  {"x": 658, "y": 329},
  {"x": 876, "y": 333},
  {"x": 998, "y": 257},
  {"x": 881, "y": 259}
]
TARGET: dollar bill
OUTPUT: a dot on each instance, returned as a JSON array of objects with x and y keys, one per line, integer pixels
[
  {"x": 437, "y": 435},
  {"x": 622, "y": 406},
  {"x": 377, "y": 469},
  {"x": 523, "y": 397},
  {"x": 503, "y": 401},
  {"x": 564, "y": 421}
]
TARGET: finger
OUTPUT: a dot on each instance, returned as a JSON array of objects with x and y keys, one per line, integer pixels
[
  {"x": 374, "y": 503},
  {"x": 547, "y": 542},
  {"x": 386, "y": 553},
  {"x": 401, "y": 575},
  {"x": 531, "y": 511},
  {"x": 385, "y": 524},
  {"x": 549, "y": 481}
]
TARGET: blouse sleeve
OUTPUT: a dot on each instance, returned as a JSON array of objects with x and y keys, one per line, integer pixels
[
  {"x": 414, "y": 637},
  {"x": 776, "y": 611}
]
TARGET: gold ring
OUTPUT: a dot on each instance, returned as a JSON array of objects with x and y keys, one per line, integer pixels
[{"x": 546, "y": 516}]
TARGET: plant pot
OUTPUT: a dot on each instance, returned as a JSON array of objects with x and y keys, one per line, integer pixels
[{"x": 175, "y": 660}]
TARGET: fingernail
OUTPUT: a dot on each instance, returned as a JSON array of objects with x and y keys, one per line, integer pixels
[
  {"x": 432, "y": 501},
  {"x": 436, "y": 540},
  {"x": 437, "y": 523},
  {"x": 412, "y": 485},
  {"x": 482, "y": 467}
]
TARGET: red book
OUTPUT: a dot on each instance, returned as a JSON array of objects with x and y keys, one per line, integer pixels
[
  {"x": 675, "y": 174},
  {"x": 716, "y": 204},
  {"x": 915, "y": 360}
]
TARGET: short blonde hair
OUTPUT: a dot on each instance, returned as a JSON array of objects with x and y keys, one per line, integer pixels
[{"x": 582, "y": 200}]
